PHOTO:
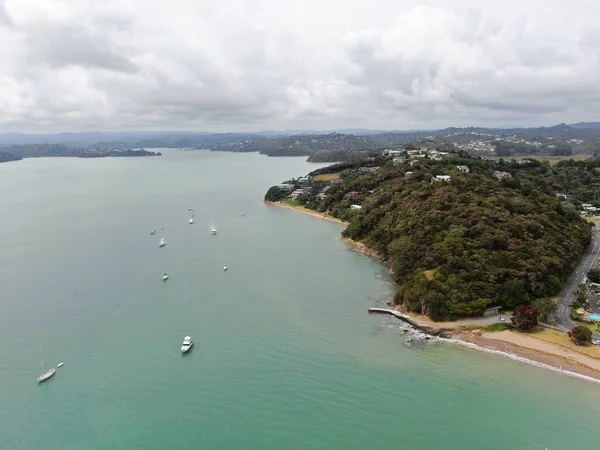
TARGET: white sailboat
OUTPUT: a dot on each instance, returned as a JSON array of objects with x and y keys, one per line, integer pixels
[
  {"x": 45, "y": 373},
  {"x": 191, "y": 221}
]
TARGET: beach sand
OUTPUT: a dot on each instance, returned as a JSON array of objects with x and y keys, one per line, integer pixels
[
  {"x": 308, "y": 211},
  {"x": 538, "y": 350}
]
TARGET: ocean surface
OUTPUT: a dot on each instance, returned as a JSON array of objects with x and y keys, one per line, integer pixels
[{"x": 285, "y": 354}]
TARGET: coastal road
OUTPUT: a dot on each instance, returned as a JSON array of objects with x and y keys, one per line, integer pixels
[{"x": 589, "y": 261}]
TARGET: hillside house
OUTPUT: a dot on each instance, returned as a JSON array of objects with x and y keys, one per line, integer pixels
[
  {"x": 392, "y": 152},
  {"x": 407, "y": 174},
  {"x": 299, "y": 192},
  {"x": 368, "y": 169},
  {"x": 353, "y": 194},
  {"x": 399, "y": 160},
  {"x": 501, "y": 175},
  {"x": 463, "y": 169},
  {"x": 357, "y": 207},
  {"x": 492, "y": 311},
  {"x": 442, "y": 178}
]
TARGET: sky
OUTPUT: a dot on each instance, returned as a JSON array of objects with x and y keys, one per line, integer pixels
[{"x": 251, "y": 65}]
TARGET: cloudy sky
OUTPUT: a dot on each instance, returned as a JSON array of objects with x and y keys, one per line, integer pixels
[{"x": 249, "y": 65}]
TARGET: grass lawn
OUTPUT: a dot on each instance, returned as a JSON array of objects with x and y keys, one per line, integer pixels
[
  {"x": 556, "y": 159},
  {"x": 292, "y": 202},
  {"x": 551, "y": 159},
  {"x": 593, "y": 328},
  {"x": 327, "y": 177},
  {"x": 561, "y": 338},
  {"x": 498, "y": 327}
]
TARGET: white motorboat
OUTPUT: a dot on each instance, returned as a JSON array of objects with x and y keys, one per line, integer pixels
[
  {"x": 60, "y": 365},
  {"x": 190, "y": 208},
  {"x": 187, "y": 344},
  {"x": 242, "y": 214},
  {"x": 165, "y": 276},
  {"x": 162, "y": 242},
  {"x": 191, "y": 221},
  {"x": 225, "y": 268},
  {"x": 45, "y": 373},
  {"x": 213, "y": 231},
  {"x": 153, "y": 232}
]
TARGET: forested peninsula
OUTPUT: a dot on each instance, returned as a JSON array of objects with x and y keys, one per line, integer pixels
[
  {"x": 460, "y": 234},
  {"x": 17, "y": 152}
]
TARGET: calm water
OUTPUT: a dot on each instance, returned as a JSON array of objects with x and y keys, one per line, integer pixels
[{"x": 285, "y": 356}]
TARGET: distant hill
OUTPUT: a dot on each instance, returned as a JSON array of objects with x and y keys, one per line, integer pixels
[
  {"x": 583, "y": 137},
  {"x": 584, "y": 125},
  {"x": 5, "y": 157},
  {"x": 61, "y": 150}
]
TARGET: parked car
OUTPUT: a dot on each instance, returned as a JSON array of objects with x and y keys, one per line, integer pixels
[
  {"x": 502, "y": 318},
  {"x": 596, "y": 341}
]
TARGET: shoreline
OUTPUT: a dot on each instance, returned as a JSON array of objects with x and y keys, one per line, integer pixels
[
  {"x": 307, "y": 212},
  {"x": 517, "y": 346},
  {"x": 534, "y": 351}
]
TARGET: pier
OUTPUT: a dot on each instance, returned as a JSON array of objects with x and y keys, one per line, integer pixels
[{"x": 399, "y": 315}]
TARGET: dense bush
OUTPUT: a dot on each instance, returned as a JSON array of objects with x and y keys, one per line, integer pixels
[
  {"x": 458, "y": 247},
  {"x": 581, "y": 335}
]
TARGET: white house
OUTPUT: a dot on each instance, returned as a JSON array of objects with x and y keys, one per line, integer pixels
[
  {"x": 442, "y": 178},
  {"x": 399, "y": 159},
  {"x": 407, "y": 174},
  {"x": 501, "y": 175},
  {"x": 355, "y": 207},
  {"x": 298, "y": 192},
  {"x": 392, "y": 152},
  {"x": 463, "y": 169}
]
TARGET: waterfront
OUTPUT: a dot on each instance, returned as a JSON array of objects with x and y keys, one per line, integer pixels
[{"x": 285, "y": 352}]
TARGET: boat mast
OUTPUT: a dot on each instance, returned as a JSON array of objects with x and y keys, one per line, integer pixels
[{"x": 42, "y": 358}]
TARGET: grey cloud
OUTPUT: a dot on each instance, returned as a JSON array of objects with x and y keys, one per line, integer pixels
[
  {"x": 74, "y": 45},
  {"x": 238, "y": 65}
]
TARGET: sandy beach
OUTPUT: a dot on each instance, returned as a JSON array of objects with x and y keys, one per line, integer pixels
[
  {"x": 307, "y": 211},
  {"x": 537, "y": 350}
]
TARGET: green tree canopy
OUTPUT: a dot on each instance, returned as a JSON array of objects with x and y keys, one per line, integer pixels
[{"x": 581, "y": 335}]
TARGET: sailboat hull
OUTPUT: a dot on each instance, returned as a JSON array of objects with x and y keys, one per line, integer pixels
[{"x": 46, "y": 375}]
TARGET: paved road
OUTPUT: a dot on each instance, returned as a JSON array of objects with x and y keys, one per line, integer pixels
[{"x": 589, "y": 261}]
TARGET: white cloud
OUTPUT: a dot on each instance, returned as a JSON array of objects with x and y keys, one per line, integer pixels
[{"x": 68, "y": 65}]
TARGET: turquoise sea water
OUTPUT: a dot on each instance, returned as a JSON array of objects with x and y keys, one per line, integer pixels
[{"x": 285, "y": 356}]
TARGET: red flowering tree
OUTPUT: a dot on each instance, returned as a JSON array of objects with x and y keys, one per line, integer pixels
[{"x": 525, "y": 317}]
